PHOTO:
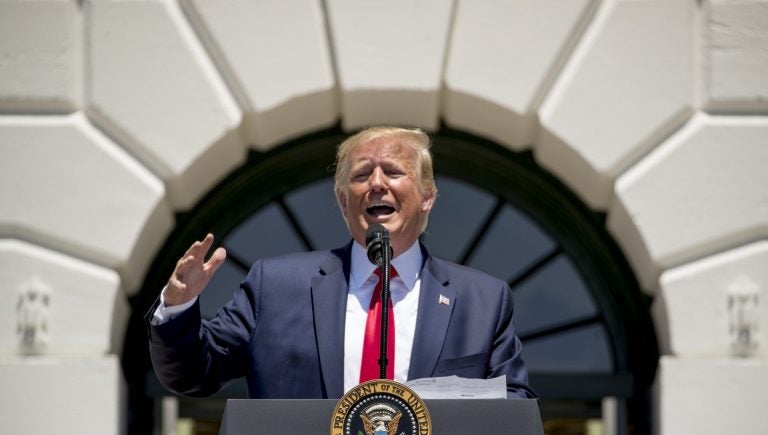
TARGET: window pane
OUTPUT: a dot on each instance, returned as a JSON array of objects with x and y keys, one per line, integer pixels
[
  {"x": 265, "y": 234},
  {"x": 581, "y": 350},
  {"x": 221, "y": 288},
  {"x": 315, "y": 207},
  {"x": 459, "y": 211},
  {"x": 553, "y": 296},
  {"x": 512, "y": 243}
]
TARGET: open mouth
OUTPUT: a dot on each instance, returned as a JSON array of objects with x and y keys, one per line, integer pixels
[{"x": 377, "y": 210}]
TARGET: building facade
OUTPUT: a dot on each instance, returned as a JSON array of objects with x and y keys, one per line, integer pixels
[{"x": 116, "y": 116}]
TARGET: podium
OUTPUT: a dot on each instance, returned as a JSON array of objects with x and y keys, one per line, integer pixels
[{"x": 313, "y": 417}]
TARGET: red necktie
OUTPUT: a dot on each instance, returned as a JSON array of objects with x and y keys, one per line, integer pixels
[{"x": 369, "y": 368}]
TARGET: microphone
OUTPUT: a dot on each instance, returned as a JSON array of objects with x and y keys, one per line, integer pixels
[
  {"x": 376, "y": 238},
  {"x": 380, "y": 254}
]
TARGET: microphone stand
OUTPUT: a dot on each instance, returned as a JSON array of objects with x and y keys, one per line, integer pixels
[{"x": 386, "y": 271}]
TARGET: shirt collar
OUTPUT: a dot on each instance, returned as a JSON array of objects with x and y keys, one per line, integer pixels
[{"x": 408, "y": 265}]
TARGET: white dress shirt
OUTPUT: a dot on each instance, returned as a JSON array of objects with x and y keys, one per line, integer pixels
[
  {"x": 405, "y": 300},
  {"x": 362, "y": 281}
]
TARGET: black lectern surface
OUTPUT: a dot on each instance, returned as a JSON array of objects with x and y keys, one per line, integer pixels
[{"x": 313, "y": 417}]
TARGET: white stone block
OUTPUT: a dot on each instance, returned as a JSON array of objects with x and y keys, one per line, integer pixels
[
  {"x": 276, "y": 59},
  {"x": 712, "y": 396},
  {"x": 41, "y": 56},
  {"x": 698, "y": 304},
  {"x": 700, "y": 192},
  {"x": 735, "y": 56},
  {"x": 58, "y": 305},
  {"x": 502, "y": 59},
  {"x": 389, "y": 59},
  {"x": 51, "y": 396},
  {"x": 154, "y": 90},
  {"x": 626, "y": 88},
  {"x": 66, "y": 186}
]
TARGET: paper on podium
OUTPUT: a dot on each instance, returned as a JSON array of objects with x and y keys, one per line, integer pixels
[{"x": 454, "y": 387}]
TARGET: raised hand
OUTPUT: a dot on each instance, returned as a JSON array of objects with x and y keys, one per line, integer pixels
[{"x": 192, "y": 272}]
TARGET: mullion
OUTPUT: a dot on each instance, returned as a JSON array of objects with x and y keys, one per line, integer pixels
[
  {"x": 295, "y": 224},
  {"x": 480, "y": 234},
  {"x": 563, "y": 327},
  {"x": 237, "y": 260},
  {"x": 535, "y": 267}
]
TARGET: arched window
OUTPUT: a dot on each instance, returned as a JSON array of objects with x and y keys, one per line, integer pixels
[{"x": 584, "y": 323}]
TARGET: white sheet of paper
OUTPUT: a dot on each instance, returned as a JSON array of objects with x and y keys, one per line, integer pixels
[{"x": 454, "y": 387}]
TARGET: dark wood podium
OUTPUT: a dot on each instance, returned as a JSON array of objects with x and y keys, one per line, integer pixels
[{"x": 313, "y": 417}]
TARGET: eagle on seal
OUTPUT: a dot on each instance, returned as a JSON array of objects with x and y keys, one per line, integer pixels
[{"x": 380, "y": 426}]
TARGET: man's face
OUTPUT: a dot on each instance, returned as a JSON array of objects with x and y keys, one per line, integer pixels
[{"x": 383, "y": 188}]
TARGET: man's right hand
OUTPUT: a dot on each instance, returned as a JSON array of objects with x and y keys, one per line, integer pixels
[{"x": 192, "y": 273}]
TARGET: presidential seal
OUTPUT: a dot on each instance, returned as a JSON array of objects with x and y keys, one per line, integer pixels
[{"x": 381, "y": 407}]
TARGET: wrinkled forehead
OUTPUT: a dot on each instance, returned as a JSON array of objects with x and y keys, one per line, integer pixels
[{"x": 386, "y": 149}]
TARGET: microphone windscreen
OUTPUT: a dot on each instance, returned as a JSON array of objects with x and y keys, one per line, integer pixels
[{"x": 374, "y": 241}]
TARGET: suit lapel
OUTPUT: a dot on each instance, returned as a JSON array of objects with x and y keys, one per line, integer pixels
[
  {"x": 329, "y": 302},
  {"x": 434, "y": 314}
]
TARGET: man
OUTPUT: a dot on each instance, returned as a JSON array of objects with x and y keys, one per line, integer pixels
[{"x": 296, "y": 327}]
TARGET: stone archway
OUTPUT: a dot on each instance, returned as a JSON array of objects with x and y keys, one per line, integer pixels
[{"x": 649, "y": 110}]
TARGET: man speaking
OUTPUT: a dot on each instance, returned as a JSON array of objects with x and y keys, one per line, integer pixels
[{"x": 306, "y": 325}]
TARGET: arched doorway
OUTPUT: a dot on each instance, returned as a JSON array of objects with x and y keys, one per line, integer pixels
[{"x": 584, "y": 323}]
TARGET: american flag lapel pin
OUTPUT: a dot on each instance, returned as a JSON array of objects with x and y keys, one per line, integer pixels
[{"x": 444, "y": 300}]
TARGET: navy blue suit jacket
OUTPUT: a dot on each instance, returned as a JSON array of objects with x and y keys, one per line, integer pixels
[{"x": 284, "y": 331}]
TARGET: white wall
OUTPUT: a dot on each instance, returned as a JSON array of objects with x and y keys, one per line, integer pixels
[{"x": 116, "y": 113}]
